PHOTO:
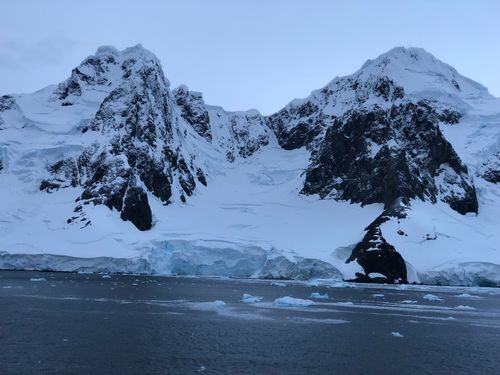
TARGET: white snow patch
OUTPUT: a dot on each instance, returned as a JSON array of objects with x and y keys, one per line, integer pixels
[
  {"x": 431, "y": 297},
  {"x": 278, "y": 283},
  {"x": 468, "y": 296},
  {"x": 37, "y": 279},
  {"x": 319, "y": 295},
  {"x": 293, "y": 302},
  {"x": 464, "y": 307},
  {"x": 248, "y": 298}
]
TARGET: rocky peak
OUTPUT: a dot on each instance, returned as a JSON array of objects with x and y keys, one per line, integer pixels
[
  {"x": 193, "y": 110},
  {"x": 104, "y": 71}
]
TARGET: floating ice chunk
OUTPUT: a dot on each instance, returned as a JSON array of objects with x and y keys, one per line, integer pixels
[
  {"x": 431, "y": 297},
  {"x": 376, "y": 274},
  {"x": 319, "y": 295},
  {"x": 218, "y": 302},
  {"x": 468, "y": 296},
  {"x": 377, "y": 295},
  {"x": 396, "y": 334},
  {"x": 36, "y": 279},
  {"x": 106, "y": 277},
  {"x": 248, "y": 298},
  {"x": 322, "y": 321},
  {"x": 464, "y": 307},
  {"x": 6, "y": 287},
  {"x": 313, "y": 283},
  {"x": 290, "y": 301},
  {"x": 277, "y": 283},
  {"x": 345, "y": 303},
  {"x": 409, "y": 301}
]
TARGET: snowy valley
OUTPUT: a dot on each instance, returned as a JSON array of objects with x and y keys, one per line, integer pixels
[{"x": 391, "y": 174}]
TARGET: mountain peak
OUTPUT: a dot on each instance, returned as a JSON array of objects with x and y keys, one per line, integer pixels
[
  {"x": 407, "y": 55},
  {"x": 408, "y": 59},
  {"x": 107, "y": 68},
  {"x": 422, "y": 74},
  {"x": 107, "y": 51},
  {"x": 137, "y": 52}
]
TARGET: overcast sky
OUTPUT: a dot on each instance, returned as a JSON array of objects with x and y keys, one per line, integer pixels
[{"x": 246, "y": 54}]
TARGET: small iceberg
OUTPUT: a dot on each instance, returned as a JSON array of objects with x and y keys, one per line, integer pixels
[
  {"x": 292, "y": 302},
  {"x": 248, "y": 298},
  {"x": 319, "y": 295},
  {"x": 431, "y": 297},
  {"x": 462, "y": 307}
]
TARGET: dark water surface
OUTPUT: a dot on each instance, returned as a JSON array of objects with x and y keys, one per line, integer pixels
[{"x": 87, "y": 324}]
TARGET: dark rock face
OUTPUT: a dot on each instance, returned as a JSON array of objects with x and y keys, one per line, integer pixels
[
  {"x": 490, "y": 170},
  {"x": 93, "y": 71},
  {"x": 449, "y": 116},
  {"x": 193, "y": 111},
  {"x": 376, "y": 255},
  {"x": 64, "y": 173},
  {"x": 249, "y": 131},
  {"x": 303, "y": 123},
  {"x": 7, "y": 102},
  {"x": 378, "y": 155},
  {"x": 303, "y": 132},
  {"x": 136, "y": 208}
]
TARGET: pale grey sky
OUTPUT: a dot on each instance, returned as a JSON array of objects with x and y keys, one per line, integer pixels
[{"x": 246, "y": 54}]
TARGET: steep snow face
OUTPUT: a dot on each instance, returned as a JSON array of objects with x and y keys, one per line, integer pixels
[{"x": 423, "y": 76}]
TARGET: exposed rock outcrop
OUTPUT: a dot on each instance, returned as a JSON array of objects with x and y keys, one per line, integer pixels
[{"x": 376, "y": 255}]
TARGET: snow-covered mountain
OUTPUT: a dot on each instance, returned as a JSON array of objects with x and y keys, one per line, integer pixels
[{"x": 389, "y": 174}]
